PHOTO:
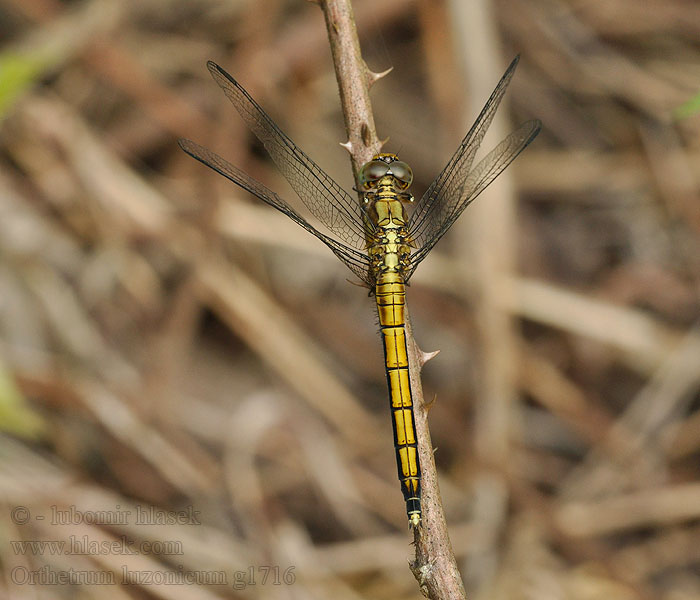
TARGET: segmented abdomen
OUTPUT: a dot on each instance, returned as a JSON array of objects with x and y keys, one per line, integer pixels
[{"x": 390, "y": 295}]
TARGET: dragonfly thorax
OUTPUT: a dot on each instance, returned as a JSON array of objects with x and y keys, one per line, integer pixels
[
  {"x": 385, "y": 209},
  {"x": 388, "y": 247}
]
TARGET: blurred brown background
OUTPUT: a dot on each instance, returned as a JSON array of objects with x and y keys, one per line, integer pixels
[{"x": 169, "y": 342}]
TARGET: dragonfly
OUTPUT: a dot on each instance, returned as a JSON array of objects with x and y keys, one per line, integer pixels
[{"x": 383, "y": 234}]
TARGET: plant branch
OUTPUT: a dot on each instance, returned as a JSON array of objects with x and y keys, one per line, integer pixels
[
  {"x": 354, "y": 80},
  {"x": 434, "y": 567}
]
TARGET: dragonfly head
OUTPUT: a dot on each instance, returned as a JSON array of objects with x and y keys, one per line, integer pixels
[{"x": 385, "y": 165}]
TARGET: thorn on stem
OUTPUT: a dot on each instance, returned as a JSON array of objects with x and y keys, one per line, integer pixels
[
  {"x": 426, "y": 356},
  {"x": 373, "y": 77},
  {"x": 347, "y": 145}
]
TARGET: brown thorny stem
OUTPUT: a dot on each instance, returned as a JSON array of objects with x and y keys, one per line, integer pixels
[{"x": 434, "y": 566}]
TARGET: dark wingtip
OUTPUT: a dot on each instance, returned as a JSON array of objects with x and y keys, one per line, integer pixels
[
  {"x": 220, "y": 74},
  {"x": 217, "y": 72},
  {"x": 214, "y": 69},
  {"x": 188, "y": 146},
  {"x": 538, "y": 127}
]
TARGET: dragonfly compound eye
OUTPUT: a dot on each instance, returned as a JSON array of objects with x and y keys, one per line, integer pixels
[
  {"x": 373, "y": 171},
  {"x": 402, "y": 172}
]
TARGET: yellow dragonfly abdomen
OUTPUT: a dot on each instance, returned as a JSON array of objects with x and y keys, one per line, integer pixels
[{"x": 390, "y": 294}]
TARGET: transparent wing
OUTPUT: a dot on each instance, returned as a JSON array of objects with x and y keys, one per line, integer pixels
[
  {"x": 457, "y": 185},
  {"x": 465, "y": 187},
  {"x": 322, "y": 196},
  {"x": 435, "y": 197},
  {"x": 357, "y": 261}
]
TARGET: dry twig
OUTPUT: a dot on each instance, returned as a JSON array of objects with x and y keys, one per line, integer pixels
[{"x": 435, "y": 567}]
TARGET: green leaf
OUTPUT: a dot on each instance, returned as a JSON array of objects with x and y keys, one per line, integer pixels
[
  {"x": 18, "y": 72},
  {"x": 16, "y": 416},
  {"x": 688, "y": 109}
]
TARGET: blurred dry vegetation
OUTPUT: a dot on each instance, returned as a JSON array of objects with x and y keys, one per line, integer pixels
[{"x": 168, "y": 341}]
